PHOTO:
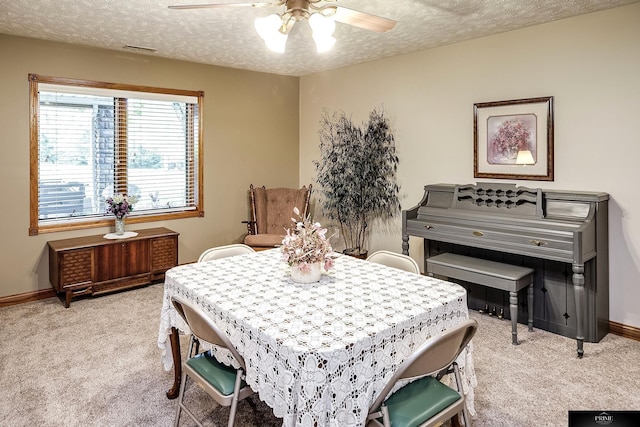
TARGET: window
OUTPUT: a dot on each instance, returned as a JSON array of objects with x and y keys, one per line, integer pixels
[{"x": 90, "y": 140}]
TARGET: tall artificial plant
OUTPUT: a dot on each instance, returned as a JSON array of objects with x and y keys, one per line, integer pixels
[{"x": 357, "y": 173}]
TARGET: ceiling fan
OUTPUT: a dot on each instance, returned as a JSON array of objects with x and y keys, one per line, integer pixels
[{"x": 275, "y": 28}]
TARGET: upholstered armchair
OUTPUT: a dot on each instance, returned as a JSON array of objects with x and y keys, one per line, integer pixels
[{"x": 271, "y": 213}]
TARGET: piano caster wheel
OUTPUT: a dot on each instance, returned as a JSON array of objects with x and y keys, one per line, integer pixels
[
  {"x": 493, "y": 312},
  {"x": 501, "y": 314},
  {"x": 485, "y": 310}
]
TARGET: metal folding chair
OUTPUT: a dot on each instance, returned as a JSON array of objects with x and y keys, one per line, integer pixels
[{"x": 425, "y": 401}]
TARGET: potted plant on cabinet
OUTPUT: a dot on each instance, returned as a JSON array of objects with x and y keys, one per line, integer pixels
[{"x": 357, "y": 174}]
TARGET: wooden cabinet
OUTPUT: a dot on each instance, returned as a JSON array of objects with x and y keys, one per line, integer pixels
[{"x": 93, "y": 265}]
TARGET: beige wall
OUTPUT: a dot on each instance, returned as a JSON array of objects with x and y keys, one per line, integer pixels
[
  {"x": 590, "y": 64},
  {"x": 250, "y": 136}
]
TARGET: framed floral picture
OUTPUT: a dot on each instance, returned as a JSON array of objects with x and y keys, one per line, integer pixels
[{"x": 514, "y": 139}]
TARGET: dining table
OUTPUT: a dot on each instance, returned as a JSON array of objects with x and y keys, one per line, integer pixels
[{"x": 319, "y": 353}]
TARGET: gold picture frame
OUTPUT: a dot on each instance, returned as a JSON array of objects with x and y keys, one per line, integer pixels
[{"x": 513, "y": 139}]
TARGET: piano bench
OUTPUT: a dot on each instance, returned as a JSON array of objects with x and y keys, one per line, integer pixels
[{"x": 497, "y": 275}]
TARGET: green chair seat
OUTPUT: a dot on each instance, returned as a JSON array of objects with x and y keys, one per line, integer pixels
[
  {"x": 419, "y": 401},
  {"x": 221, "y": 376}
]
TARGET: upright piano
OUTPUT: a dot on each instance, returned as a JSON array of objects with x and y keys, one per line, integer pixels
[{"x": 563, "y": 235}]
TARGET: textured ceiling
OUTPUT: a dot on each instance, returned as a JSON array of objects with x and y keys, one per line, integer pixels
[{"x": 227, "y": 37}]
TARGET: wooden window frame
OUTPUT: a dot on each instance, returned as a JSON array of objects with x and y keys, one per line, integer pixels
[{"x": 197, "y": 210}]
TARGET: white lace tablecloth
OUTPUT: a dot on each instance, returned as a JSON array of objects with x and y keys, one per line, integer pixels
[{"x": 318, "y": 354}]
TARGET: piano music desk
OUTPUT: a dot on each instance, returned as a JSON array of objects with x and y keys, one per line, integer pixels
[{"x": 506, "y": 277}]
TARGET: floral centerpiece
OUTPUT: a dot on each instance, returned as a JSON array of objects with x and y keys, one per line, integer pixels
[
  {"x": 120, "y": 205},
  {"x": 306, "y": 249}
]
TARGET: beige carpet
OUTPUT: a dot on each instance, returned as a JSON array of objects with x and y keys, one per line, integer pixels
[{"x": 98, "y": 364}]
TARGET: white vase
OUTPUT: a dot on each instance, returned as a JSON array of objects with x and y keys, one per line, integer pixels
[
  {"x": 310, "y": 275},
  {"x": 120, "y": 226}
]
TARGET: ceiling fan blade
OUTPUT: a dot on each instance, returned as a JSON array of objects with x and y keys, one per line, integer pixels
[
  {"x": 216, "y": 5},
  {"x": 363, "y": 20}
]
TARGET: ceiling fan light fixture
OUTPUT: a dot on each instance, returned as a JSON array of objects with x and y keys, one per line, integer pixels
[
  {"x": 267, "y": 25},
  {"x": 323, "y": 43},
  {"x": 322, "y": 28},
  {"x": 321, "y": 25},
  {"x": 277, "y": 42},
  {"x": 269, "y": 28},
  {"x": 273, "y": 29}
]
